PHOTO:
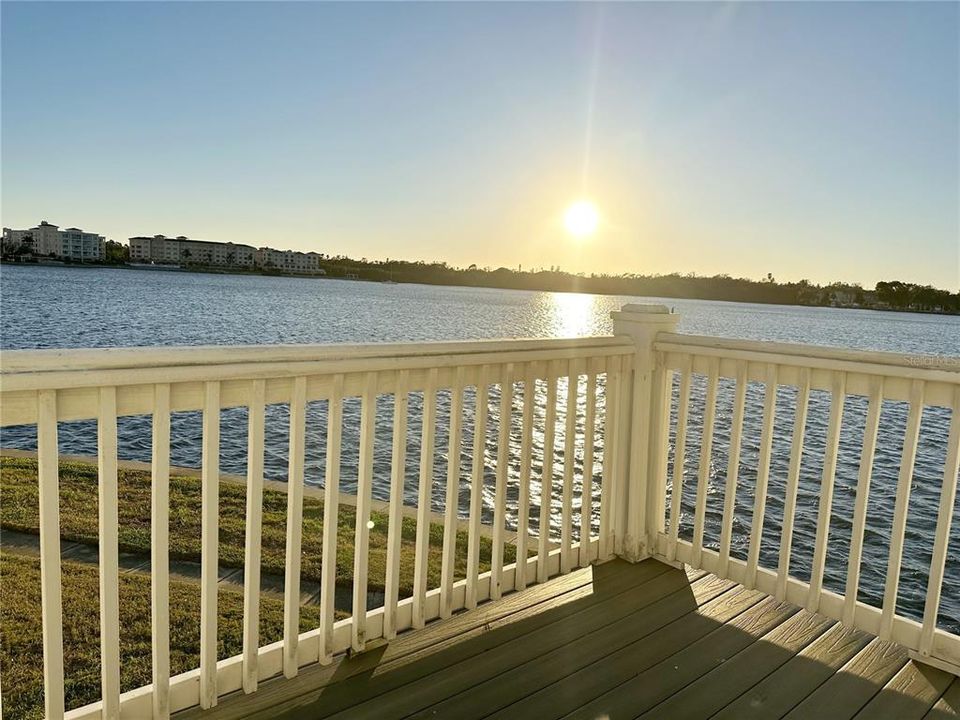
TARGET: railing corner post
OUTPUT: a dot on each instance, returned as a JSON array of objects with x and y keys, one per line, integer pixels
[{"x": 639, "y": 481}]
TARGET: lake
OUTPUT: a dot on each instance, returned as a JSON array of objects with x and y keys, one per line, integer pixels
[{"x": 46, "y": 307}]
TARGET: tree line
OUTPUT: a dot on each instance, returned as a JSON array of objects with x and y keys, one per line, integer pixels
[{"x": 894, "y": 295}]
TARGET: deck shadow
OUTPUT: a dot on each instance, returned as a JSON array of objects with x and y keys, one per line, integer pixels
[
  {"x": 620, "y": 642},
  {"x": 547, "y": 622}
]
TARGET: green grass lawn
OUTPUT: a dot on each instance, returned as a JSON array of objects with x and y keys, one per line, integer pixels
[
  {"x": 21, "y": 656},
  {"x": 21, "y": 650},
  {"x": 78, "y": 522}
]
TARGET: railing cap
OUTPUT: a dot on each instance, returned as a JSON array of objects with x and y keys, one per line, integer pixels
[
  {"x": 646, "y": 309},
  {"x": 641, "y": 318}
]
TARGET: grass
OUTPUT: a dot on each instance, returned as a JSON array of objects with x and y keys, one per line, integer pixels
[
  {"x": 21, "y": 655},
  {"x": 21, "y": 651},
  {"x": 78, "y": 522}
]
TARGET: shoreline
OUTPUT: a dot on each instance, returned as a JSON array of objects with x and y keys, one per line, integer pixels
[{"x": 489, "y": 286}]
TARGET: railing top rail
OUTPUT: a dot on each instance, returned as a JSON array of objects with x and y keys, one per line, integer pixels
[
  {"x": 942, "y": 368},
  {"x": 67, "y": 359},
  {"x": 27, "y": 371}
]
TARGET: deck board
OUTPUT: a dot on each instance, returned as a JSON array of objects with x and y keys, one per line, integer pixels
[
  {"x": 910, "y": 694},
  {"x": 545, "y": 676},
  {"x": 616, "y": 641},
  {"x": 674, "y": 673},
  {"x": 724, "y": 684},
  {"x": 843, "y": 695},
  {"x": 780, "y": 691},
  {"x": 624, "y": 613},
  {"x": 948, "y": 706}
]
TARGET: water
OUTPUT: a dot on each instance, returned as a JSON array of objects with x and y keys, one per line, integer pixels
[
  {"x": 45, "y": 307},
  {"x": 65, "y": 307}
]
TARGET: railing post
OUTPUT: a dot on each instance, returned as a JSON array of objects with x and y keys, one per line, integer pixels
[{"x": 643, "y": 408}]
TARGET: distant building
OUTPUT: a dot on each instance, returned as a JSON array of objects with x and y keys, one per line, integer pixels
[
  {"x": 184, "y": 251},
  {"x": 289, "y": 261},
  {"x": 48, "y": 240},
  {"x": 79, "y": 245}
]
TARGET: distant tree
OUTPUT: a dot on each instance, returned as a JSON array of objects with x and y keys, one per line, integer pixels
[
  {"x": 116, "y": 253},
  {"x": 895, "y": 293}
]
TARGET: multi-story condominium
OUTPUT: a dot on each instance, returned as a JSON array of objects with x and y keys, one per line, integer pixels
[
  {"x": 289, "y": 261},
  {"x": 48, "y": 240},
  {"x": 79, "y": 245},
  {"x": 183, "y": 250}
]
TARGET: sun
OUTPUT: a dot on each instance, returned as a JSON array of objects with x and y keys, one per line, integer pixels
[{"x": 581, "y": 219}]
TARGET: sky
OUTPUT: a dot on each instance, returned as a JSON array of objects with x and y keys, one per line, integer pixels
[{"x": 807, "y": 140}]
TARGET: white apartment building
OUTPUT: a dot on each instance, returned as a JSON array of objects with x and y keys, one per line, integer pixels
[
  {"x": 76, "y": 244},
  {"x": 289, "y": 261},
  {"x": 183, "y": 250},
  {"x": 48, "y": 240}
]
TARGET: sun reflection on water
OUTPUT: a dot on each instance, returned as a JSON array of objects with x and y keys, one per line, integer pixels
[{"x": 574, "y": 314}]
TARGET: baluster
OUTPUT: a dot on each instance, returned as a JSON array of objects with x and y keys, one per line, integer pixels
[
  {"x": 900, "y": 509},
  {"x": 838, "y": 396},
  {"x": 660, "y": 395},
  {"x": 50, "y": 604},
  {"x": 253, "y": 539},
  {"x": 160, "y": 551},
  {"x": 863, "y": 492},
  {"x": 679, "y": 457},
  {"x": 452, "y": 502},
  {"x": 793, "y": 482},
  {"x": 526, "y": 462},
  {"x": 948, "y": 495},
  {"x": 569, "y": 460},
  {"x": 611, "y": 394},
  {"x": 331, "y": 499},
  {"x": 500, "y": 496},
  {"x": 763, "y": 474},
  {"x": 368, "y": 418},
  {"x": 108, "y": 506},
  {"x": 476, "y": 488},
  {"x": 706, "y": 448},
  {"x": 291, "y": 585},
  {"x": 733, "y": 468},
  {"x": 546, "y": 482},
  {"x": 586, "y": 481},
  {"x": 398, "y": 459},
  {"x": 209, "y": 531},
  {"x": 423, "y": 500}
]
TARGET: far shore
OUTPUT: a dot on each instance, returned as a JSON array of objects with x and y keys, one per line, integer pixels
[{"x": 743, "y": 290}]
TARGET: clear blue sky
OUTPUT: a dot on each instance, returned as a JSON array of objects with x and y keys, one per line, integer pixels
[{"x": 815, "y": 140}]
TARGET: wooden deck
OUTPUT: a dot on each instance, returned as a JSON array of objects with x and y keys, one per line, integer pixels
[{"x": 618, "y": 641}]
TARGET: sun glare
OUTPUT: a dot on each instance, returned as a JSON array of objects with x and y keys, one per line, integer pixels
[
  {"x": 581, "y": 218},
  {"x": 574, "y": 314}
]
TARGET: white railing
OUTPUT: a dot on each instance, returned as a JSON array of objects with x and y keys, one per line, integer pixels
[
  {"x": 526, "y": 380},
  {"x": 592, "y": 440},
  {"x": 856, "y": 385}
]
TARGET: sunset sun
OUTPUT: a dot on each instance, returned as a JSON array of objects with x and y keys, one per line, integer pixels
[{"x": 581, "y": 219}]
